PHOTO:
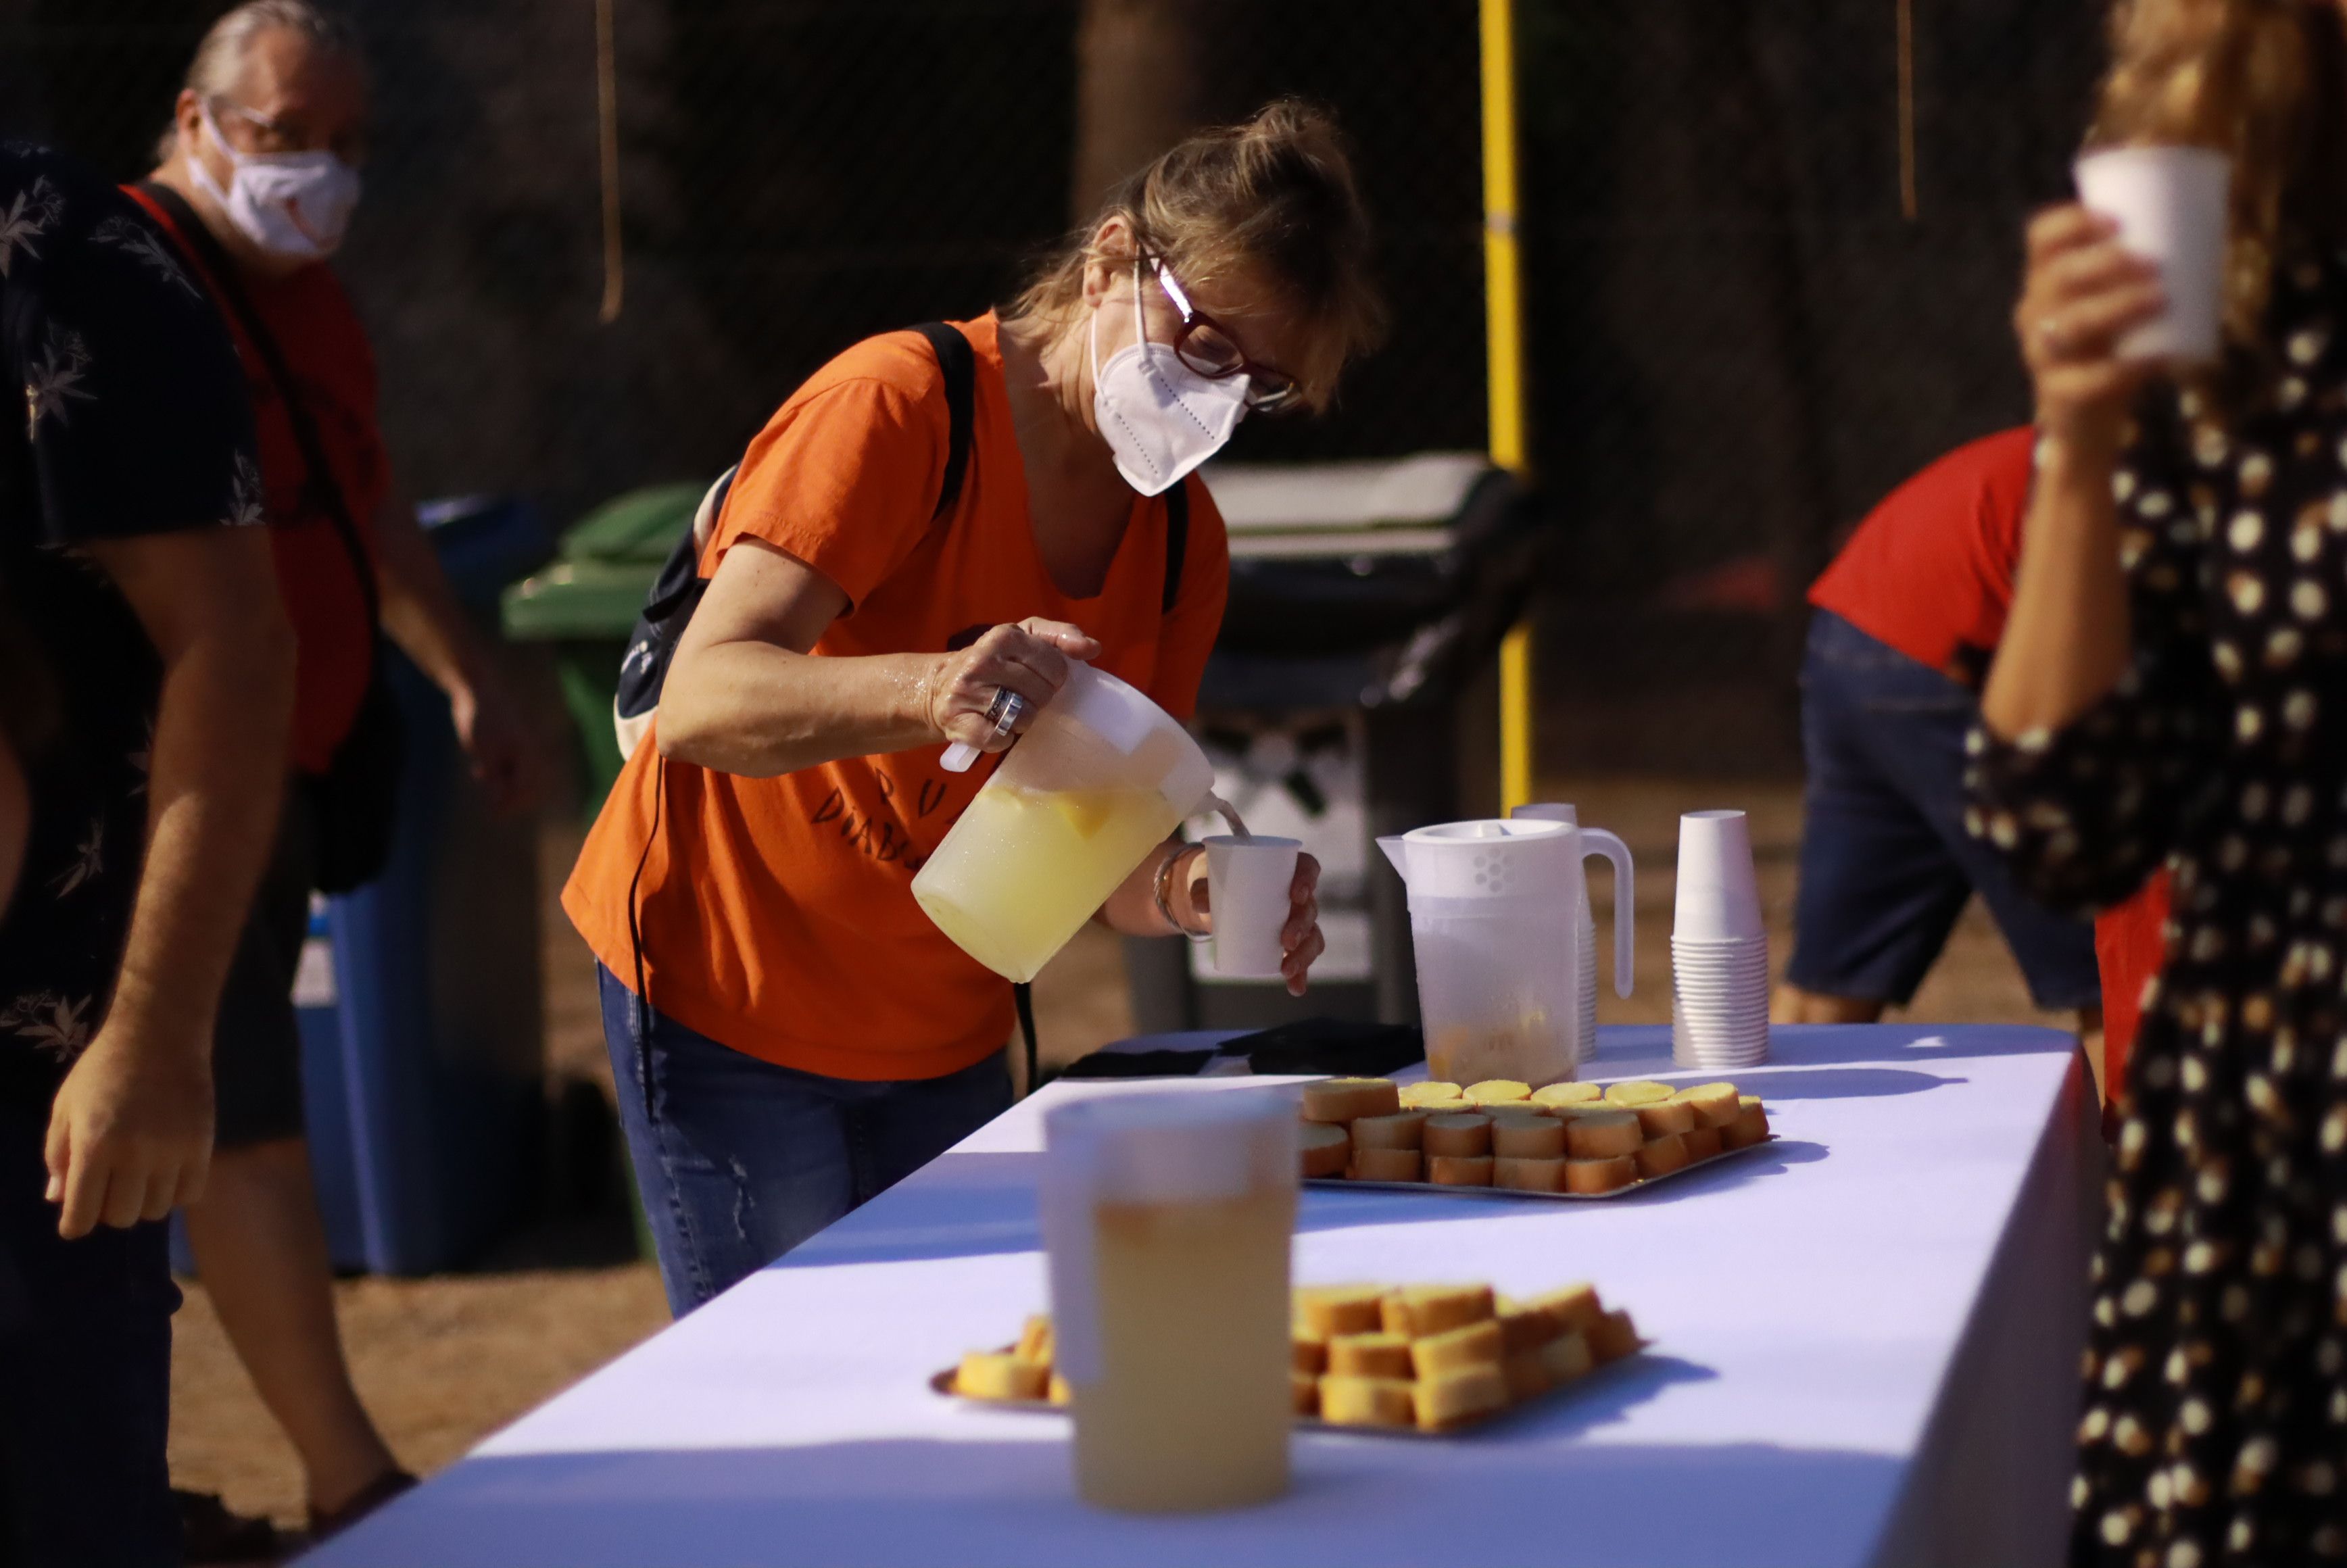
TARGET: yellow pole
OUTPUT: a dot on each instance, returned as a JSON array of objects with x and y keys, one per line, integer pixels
[{"x": 1505, "y": 358}]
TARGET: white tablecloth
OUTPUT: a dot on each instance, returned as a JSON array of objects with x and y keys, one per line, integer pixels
[{"x": 1866, "y": 1341}]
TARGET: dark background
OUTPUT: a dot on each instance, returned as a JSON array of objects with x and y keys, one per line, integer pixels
[{"x": 1738, "y": 341}]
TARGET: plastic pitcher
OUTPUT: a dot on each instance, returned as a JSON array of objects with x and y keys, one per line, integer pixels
[
  {"x": 1495, "y": 916},
  {"x": 1624, "y": 921},
  {"x": 1101, "y": 778}
]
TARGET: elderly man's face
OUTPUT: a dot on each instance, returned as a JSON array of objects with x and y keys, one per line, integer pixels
[
  {"x": 295, "y": 98},
  {"x": 290, "y": 96}
]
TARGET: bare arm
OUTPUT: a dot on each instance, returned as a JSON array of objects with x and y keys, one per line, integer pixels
[
  {"x": 1132, "y": 909},
  {"x": 130, "y": 1132},
  {"x": 746, "y": 696},
  {"x": 420, "y": 612},
  {"x": 2068, "y": 639},
  {"x": 422, "y": 615}
]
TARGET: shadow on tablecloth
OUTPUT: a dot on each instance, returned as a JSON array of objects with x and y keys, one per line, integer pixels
[
  {"x": 1775, "y": 1084},
  {"x": 999, "y": 1494},
  {"x": 981, "y": 1204}
]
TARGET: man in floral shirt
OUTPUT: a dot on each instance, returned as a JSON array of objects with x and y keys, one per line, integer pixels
[{"x": 145, "y": 682}]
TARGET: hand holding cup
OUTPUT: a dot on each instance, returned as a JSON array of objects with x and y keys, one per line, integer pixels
[
  {"x": 1261, "y": 899},
  {"x": 2083, "y": 291},
  {"x": 2127, "y": 279}
]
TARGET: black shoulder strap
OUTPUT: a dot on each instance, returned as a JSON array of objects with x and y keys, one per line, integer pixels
[
  {"x": 959, "y": 363},
  {"x": 320, "y": 477},
  {"x": 1177, "y": 543}
]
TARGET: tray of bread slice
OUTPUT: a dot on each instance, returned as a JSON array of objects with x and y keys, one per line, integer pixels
[
  {"x": 1416, "y": 1359},
  {"x": 1505, "y": 1139}
]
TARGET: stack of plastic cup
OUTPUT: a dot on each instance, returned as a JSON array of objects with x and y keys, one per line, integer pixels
[{"x": 1719, "y": 948}]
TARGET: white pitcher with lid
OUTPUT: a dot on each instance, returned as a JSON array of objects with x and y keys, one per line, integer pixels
[
  {"x": 1099, "y": 780},
  {"x": 1495, "y": 911}
]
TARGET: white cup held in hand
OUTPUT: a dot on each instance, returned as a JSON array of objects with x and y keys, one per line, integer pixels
[
  {"x": 1718, "y": 890},
  {"x": 2170, "y": 203},
  {"x": 1247, "y": 881}
]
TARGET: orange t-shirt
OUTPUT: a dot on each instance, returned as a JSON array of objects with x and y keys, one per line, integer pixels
[
  {"x": 777, "y": 914},
  {"x": 326, "y": 351}
]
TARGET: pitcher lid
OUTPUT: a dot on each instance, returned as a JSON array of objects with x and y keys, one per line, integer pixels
[{"x": 1487, "y": 857}]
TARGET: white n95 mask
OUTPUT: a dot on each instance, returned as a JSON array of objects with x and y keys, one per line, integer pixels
[
  {"x": 293, "y": 205},
  {"x": 1160, "y": 417}
]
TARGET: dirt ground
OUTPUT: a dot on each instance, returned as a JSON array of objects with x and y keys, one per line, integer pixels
[{"x": 443, "y": 1362}]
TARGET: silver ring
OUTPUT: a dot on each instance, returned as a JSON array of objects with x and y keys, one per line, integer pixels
[{"x": 1006, "y": 709}]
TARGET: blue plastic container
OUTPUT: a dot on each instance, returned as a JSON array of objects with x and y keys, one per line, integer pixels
[
  {"x": 325, "y": 1103},
  {"x": 421, "y": 1033}
]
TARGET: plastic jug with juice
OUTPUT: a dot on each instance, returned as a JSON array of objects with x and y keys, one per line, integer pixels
[
  {"x": 1495, "y": 920},
  {"x": 1100, "y": 779}
]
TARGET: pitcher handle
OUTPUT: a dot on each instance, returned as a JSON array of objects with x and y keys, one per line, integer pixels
[{"x": 1597, "y": 841}]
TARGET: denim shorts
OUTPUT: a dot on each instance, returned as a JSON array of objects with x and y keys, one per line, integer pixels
[
  {"x": 1886, "y": 864},
  {"x": 257, "y": 1045},
  {"x": 739, "y": 1160}
]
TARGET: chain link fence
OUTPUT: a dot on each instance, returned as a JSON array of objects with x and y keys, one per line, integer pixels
[{"x": 1755, "y": 301}]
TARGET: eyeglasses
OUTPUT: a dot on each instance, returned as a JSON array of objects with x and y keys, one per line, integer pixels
[
  {"x": 1206, "y": 347},
  {"x": 274, "y": 137}
]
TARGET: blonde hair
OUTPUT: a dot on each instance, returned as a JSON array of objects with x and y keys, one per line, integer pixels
[
  {"x": 2259, "y": 80},
  {"x": 1273, "y": 197},
  {"x": 218, "y": 62}
]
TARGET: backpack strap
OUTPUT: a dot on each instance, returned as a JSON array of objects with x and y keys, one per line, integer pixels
[
  {"x": 1177, "y": 543},
  {"x": 676, "y": 591},
  {"x": 319, "y": 485},
  {"x": 959, "y": 363}
]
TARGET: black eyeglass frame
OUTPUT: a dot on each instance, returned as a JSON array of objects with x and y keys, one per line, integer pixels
[{"x": 1268, "y": 391}]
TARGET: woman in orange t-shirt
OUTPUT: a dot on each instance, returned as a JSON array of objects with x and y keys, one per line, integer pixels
[{"x": 790, "y": 1032}]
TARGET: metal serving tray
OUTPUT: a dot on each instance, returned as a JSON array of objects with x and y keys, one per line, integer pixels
[
  {"x": 942, "y": 1383},
  {"x": 1341, "y": 1183}
]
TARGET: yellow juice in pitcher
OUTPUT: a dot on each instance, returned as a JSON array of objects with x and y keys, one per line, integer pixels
[
  {"x": 1029, "y": 867},
  {"x": 1193, "y": 1411}
]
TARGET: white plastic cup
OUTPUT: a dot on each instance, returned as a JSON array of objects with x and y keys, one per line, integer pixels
[
  {"x": 1247, "y": 881},
  {"x": 2170, "y": 203},
  {"x": 1719, "y": 888}
]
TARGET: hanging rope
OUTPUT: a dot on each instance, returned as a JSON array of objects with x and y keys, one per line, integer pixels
[
  {"x": 1908, "y": 206},
  {"x": 607, "y": 111}
]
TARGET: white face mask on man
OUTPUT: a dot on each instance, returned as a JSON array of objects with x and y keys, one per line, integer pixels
[
  {"x": 293, "y": 205},
  {"x": 1159, "y": 415}
]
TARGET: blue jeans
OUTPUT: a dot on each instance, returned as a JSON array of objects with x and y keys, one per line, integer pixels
[
  {"x": 85, "y": 1377},
  {"x": 1886, "y": 864},
  {"x": 739, "y": 1160}
]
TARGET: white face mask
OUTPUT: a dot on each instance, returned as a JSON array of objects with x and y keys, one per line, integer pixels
[
  {"x": 1160, "y": 417},
  {"x": 293, "y": 205}
]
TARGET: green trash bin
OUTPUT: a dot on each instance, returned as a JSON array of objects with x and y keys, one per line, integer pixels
[{"x": 585, "y": 603}]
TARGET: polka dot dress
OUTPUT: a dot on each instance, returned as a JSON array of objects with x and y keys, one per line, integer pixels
[{"x": 2214, "y": 1427}]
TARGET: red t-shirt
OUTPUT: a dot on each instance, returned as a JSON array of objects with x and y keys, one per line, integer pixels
[
  {"x": 2129, "y": 948},
  {"x": 326, "y": 351},
  {"x": 1930, "y": 571}
]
